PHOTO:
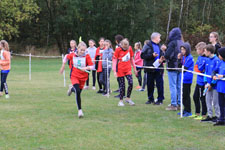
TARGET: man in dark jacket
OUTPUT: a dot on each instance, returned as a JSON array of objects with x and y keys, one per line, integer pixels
[
  {"x": 173, "y": 49},
  {"x": 151, "y": 53}
]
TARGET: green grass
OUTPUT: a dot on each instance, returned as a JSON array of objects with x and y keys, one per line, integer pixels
[{"x": 40, "y": 116}]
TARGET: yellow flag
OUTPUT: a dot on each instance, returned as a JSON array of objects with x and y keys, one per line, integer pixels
[{"x": 80, "y": 39}]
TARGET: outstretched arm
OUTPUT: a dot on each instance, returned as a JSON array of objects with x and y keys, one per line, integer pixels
[{"x": 63, "y": 65}]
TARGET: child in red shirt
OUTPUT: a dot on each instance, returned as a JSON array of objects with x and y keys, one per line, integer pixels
[
  {"x": 81, "y": 63},
  {"x": 123, "y": 60},
  {"x": 98, "y": 62}
]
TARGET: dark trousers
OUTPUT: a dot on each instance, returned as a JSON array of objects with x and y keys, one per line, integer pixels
[
  {"x": 198, "y": 96},
  {"x": 186, "y": 97},
  {"x": 144, "y": 80},
  {"x": 151, "y": 78},
  {"x": 93, "y": 78},
  {"x": 139, "y": 77},
  {"x": 222, "y": 106},
  {"x": 105, "y": 78},
  {"x": 98, "y": 80},
  {"x": 76, "y": 89},
  {"x": 3, "y": 83},
  {"x": 122, "y": 86}
]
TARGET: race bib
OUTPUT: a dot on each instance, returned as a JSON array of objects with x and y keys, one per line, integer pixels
[
  {"x": 101, "y": 51},
  {"x": 79, "y": 62},
  {"x": 126, "y": 57},
  {"x": 2, "y": 57}
]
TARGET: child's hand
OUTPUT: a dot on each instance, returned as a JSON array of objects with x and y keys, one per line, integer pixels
[
  {"x": 206, "y": 86},
  {"x": 215, "y": 78},
  {"x": 162, "y": 58},
  {"x": 135, "y": 72},
  {"x": 163, "y": 47},
  {"x": 61, "y": 70},
  {"x": 179, "y": 56},
  {"x": 209, "y": 88},
  {"x": 115, "y": 74},
  {"x": 155, "y": 54}
]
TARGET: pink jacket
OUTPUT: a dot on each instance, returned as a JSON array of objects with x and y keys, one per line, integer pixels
[{"x": 137, "y": 59}]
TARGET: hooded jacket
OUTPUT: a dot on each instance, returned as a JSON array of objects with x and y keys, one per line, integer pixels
[
  {"x": 188, "y": 62},
  {"x": 173, "y": 47}
]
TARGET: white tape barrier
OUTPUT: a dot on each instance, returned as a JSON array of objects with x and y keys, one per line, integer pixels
[
  {"x": 179, "y": 69},
  {"x": 29, "y": 55}
]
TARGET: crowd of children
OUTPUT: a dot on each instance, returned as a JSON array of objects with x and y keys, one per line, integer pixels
[{"x": 209, "y": 91}]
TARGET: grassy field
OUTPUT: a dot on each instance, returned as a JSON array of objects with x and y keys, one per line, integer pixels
[{"x": 40, "y": 116}]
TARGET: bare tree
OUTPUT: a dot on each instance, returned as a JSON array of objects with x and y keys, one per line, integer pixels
[
  {"x": 203, "y": 13},
  {"x": 187, "y": 15},
  {"x": 169, "y": 19},
  {"x": 181, "y": 10}
]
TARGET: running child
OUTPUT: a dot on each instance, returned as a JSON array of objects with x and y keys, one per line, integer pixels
[{"x": 81, "y": 63}]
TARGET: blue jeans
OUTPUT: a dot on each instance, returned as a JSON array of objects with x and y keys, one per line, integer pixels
[{"x": 174, "y": 84}]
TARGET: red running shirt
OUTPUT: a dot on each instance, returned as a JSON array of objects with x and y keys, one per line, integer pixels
[
  {"x": 124, "y": 61},
  {"x": 79, "y": 61}
]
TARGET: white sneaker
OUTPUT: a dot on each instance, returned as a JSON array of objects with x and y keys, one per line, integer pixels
[
  {"x": 80, "y": 113},
  {"x": 69, "y": 92},
  {"x": 121, "y": 103},
  {"x": 86, "y": 87},
  {"x": 93, "y": 88},
  {"x": 130, "y": 102},
  {"x": 7, "y": 96}
]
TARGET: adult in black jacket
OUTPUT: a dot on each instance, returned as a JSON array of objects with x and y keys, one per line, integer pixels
[
  {"x": 151, "y": 52},
  {"x": 173, "y": 49}
]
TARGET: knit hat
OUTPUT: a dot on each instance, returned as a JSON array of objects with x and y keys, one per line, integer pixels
[{"x": 221, "y": 52}]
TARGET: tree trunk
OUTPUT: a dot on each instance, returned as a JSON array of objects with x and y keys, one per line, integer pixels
[
  {"x": 169, "y": 19},
  {"x": 203, "y": 13},
  {"x": 187, "y": 15},
  {"x": 181, "y": 10}
]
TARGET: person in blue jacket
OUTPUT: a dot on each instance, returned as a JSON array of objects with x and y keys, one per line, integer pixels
[
  {"x": 220, "y": 70},
  {"x": 200, "y": 84},
  {"x": 187, "y": 61},
  {"x": 211, "y": 94}
]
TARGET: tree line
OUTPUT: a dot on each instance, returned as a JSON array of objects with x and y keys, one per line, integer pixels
[{"x": 44, "y": 23}]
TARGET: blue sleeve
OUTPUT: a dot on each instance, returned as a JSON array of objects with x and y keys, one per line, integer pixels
[
  {"x": 216, "y": 68},
  {"x": 189, "y": 63},
  {"x": 201, "y": 66}
]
